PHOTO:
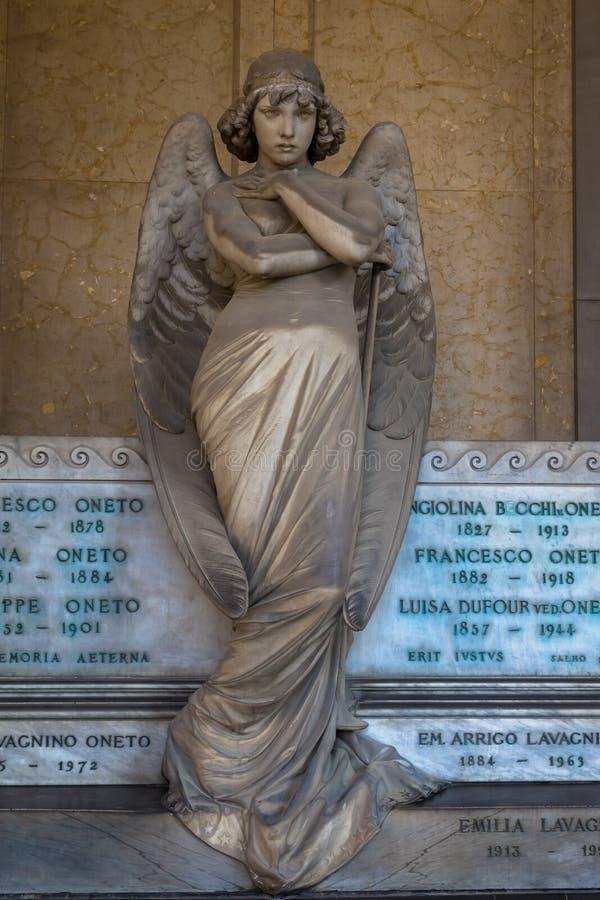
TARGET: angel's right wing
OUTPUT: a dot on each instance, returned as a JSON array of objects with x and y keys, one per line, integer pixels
[
  {"x": 179, "y": 286},
  {"x": 402, "y": 374}
]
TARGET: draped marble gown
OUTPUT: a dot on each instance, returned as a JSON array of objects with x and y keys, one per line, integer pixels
[{"x": 265, "y": 763}]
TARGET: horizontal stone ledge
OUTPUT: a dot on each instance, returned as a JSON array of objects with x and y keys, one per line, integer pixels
[
  {"x": 378, "y": 697},
  {"x": 372, "y": 696},
  {"x": 147, "y": 798},
  {"x": 59, "y": 699}
]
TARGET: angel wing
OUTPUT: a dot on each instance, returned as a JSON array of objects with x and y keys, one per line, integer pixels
[
  {"x": 179, "y": 285},
  {"x": 402, "y": 376}
]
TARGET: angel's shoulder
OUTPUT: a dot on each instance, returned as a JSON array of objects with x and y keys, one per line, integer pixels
[
  {"x": 361, "y": 189},
  {"x": 219, "y": 199},
  {"x": 345, "y": 186},
  {"x": 219, "y": 192}
]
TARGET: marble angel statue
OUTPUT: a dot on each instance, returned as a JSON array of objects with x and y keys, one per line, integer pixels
[{"x": 247, "y": 322}]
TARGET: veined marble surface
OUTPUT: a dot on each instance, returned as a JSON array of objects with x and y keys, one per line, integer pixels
[
  {"x": 483, "y": 848},
  {"x": 481, "y": 88}
]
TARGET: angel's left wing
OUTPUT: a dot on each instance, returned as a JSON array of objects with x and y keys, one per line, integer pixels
[
  {"x": 179, "y": 286},
  {"x": 174, "y": 299},
  {"x": 402, "y": 375}
]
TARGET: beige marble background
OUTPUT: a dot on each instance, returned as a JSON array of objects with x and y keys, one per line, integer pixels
[{"x": 481, "y": 87}]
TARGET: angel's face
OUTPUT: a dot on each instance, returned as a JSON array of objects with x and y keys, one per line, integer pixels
[{"x": 284, "y": 131}]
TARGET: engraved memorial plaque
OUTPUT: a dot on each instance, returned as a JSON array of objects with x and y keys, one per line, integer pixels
[
  {"x": 516, "y": 847},
  {"x": 82, "y": 751},
  {"x": 482, "y": 655},
  {"x": 92, "y": 586},
  {"x": 488, "y": 631},
  {"x": 521, "y": 746},
  {"x": 498, "y": 575}
]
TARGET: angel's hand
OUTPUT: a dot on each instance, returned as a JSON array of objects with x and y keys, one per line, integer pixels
[
  {"x": 256, "y": 186},
  {"x": 383, "y": 255}
]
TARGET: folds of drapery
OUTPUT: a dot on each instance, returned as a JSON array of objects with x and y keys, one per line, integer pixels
[{"x": 266, "y": 763}]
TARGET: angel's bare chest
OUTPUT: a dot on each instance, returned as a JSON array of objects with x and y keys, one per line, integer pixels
[{"x": 272, "y": 217}]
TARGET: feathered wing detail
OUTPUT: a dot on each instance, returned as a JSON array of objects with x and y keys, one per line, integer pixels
[
  {"x": 179, "y": 285},
  {"x": 402, "y": 377}
]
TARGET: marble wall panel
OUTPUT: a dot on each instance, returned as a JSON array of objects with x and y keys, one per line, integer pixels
[
  {"x": 65, "y": 285},
  {"x": 554, "y": 316},
  {"x": 552, "y": 95},
  {"x": 481, "y": 87},
  {"x": 553, "y": 223},
  {"x": 3, "y": 25},
  {"x": 92, "y": 86},
  {"x": 481, "y": 273},
  {"x": 455, "y": 74},
  {"x": 3, "y": 28},
  {"x": 294, "y": 25}
]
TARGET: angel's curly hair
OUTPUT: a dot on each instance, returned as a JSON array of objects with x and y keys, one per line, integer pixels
[{"x": 235, "y": 125}]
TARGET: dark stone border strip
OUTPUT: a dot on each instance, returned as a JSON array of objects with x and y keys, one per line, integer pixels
[
  {"x": 97, "y": 798},
  {"x": 319, "y": 895},
  {"x": 147, "y": 798}
]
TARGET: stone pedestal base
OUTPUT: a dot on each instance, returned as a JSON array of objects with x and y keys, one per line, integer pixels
[{"x": 475, "y": 839}]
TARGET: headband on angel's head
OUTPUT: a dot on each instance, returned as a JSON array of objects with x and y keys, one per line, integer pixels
[{"x": 283, "y": 67}]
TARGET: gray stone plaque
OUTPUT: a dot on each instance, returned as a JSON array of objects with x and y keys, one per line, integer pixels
[
  {"x": 91, "y": 585},
  {"x": 484, "y": 849},
  {"x": 82, "y": 751},
  {"x": 499, "y": 573},
  {"x": 516, "y": 846},
  {"x": 515, "y": 747},
  {"x": 482, "y": 656}
]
